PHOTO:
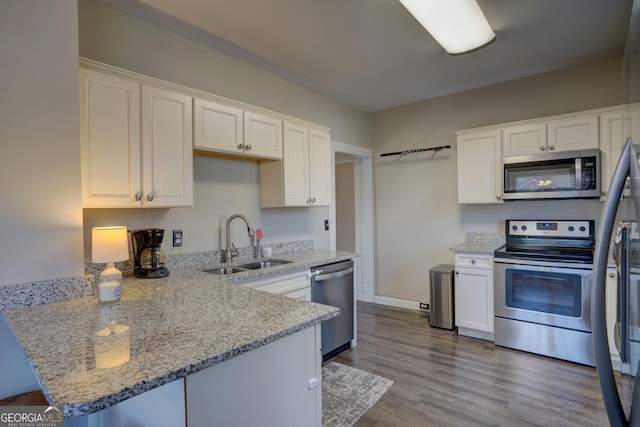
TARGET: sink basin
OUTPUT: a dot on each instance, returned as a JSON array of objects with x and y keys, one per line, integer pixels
[
  {"x": 225, "y": 270},
  {"x": 264, "y": 264}
]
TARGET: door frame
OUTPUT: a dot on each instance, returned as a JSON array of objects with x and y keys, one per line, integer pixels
[{"x": 363, "y": 206}]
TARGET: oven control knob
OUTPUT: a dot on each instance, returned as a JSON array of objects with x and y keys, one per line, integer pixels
[
  {"x": 571, "y": 228},
  {"x": 582, "y": 228},
  {"x": 514, "y": 227},
  {"x": 524, "y": 228}
]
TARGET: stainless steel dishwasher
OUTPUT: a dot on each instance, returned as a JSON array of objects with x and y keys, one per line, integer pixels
[{"x": 332, "y": 284}]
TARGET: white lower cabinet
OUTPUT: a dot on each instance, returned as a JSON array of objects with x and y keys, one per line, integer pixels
[
  {"x": 474, "y": 295},
  {"x": 276, "y": 385}
]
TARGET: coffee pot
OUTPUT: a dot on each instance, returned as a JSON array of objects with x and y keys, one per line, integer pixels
[{"x": 148, "y": 256}]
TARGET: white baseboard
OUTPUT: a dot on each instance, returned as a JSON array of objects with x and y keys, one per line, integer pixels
[{"x": 397, "y": 302}]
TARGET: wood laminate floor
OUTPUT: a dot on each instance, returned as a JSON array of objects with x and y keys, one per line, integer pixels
[{"x": 442, "y": 379}]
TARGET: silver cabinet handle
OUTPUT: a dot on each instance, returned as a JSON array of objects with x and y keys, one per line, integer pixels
[
  {"x": 552, "y": 147},
  {"x": 241, "y": 146},
  {"x": 612, "y": 275},
  {"x": 543, "y": 148},
  {"x": 473, "y": 261},
  {"x": 247, "y": 147},
  {"x": 150, "y": 197},
  {"x": 498, "y": 197},
  {"x": 604, "y": 193},
  {"x": 138, "y": 196}
]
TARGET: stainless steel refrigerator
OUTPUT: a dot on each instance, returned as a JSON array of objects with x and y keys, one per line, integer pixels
[{"x": 627, "y": 326}]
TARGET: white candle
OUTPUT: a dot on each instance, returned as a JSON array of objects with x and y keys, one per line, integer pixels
[{"x": 108, "y": 291}]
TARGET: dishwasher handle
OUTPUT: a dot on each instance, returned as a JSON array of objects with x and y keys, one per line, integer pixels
[{"x": 323, "y": 277}]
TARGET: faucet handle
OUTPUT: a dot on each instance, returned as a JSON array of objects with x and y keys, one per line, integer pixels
[{"x": 234, "y": 250}]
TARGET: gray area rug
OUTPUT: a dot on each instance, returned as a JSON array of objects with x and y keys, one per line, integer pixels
[{"x": 347, "y": 393}]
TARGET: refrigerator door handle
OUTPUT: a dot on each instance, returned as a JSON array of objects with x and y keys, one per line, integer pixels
[{"x": 610, "y": 394}]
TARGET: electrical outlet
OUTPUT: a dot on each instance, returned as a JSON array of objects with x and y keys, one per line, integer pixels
[
  {"x": 424, "y": 306},
  {"x": 326, "y": 225},
  {"x": 177, "y": 238}
]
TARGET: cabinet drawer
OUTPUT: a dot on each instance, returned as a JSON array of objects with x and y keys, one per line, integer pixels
[
  {"x": 281, "y": 283},
  {"x": 474, "y": 260}
]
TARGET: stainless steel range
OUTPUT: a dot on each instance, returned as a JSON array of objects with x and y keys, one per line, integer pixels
[{"x": 542, "y": 295}]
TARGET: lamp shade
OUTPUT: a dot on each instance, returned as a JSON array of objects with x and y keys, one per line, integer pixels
[
  {"x": 109, "y": 244},
  {"x": 458, "y": 25}
]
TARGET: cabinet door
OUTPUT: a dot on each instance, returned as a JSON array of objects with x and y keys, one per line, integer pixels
[
  {"x": 480, "y": 168},
  {"x": 616, "y": 127},
  {"x": 110, "y": 140},
  {"x": 295, "y": 165},
  {"x": 524, "y": 140},
  {"x": 167, "y": 148},
  {"x": 319, "y": 168},
  {"x": 217, "y": 127},
  {"x": 474, "y": 298},
  {"x": 262, "y": 136},
  {"x": 573, "y": 134}
]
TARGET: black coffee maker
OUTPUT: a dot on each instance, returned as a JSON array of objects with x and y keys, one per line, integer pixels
[{"x": 147, "y": 254}]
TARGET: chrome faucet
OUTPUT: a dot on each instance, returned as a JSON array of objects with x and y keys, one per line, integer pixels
[{"x": 231, "y": 250}]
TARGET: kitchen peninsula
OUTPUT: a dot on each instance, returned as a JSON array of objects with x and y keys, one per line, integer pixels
[{"x": 190, "y": 344}]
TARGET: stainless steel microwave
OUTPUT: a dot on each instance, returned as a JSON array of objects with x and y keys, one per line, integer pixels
[{"x": 557, "y": 175}]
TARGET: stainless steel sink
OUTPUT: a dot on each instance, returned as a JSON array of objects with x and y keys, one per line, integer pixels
[
  {"x": 225, "y": 270},
  {"x": 264, "y": 264},
  {"x": 249, "y": 266}
]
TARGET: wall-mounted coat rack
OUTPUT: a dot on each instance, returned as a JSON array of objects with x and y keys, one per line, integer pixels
[{"x": 414, "y": 151}]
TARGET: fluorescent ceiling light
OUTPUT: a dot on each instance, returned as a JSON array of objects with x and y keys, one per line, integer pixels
[{"x": 458, "y": 25}]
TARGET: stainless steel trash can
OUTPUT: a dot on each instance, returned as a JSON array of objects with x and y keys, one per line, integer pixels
[{"x": 442, "y": 313}]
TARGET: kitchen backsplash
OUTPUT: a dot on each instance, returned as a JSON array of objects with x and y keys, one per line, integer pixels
[{"x": 207, "y": 257}]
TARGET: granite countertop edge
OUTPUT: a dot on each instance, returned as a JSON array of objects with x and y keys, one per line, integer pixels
[{"x": 190, "y": 275}]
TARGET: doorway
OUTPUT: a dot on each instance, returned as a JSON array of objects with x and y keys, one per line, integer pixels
[{"x": 352, "y": 211}]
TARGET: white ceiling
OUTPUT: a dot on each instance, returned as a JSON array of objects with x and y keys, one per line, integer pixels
[{"x": 372, "y": 54}]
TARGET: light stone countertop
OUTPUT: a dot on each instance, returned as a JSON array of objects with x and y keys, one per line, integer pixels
[
  {"x": 178, "y": 325},
  {"x": 480, "y": 243}
]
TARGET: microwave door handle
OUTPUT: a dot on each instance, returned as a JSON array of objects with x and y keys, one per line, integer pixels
[
  {"x": 579, "y": 173},
  {"x": 610, "y": 394}
]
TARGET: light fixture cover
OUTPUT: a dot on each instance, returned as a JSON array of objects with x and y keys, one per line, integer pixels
[
  {"x": 458, "y": 25},
  {"x": 109, "y": 244}
]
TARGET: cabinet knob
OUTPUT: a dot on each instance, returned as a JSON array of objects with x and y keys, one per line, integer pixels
[
  {"x": 247, "y": 147},
  {"x": 457, "y": 272},
  {"x": 604, "y": 193},
  {"x": 150, "y": 197},
  {"x": 612, "y": 275},
  {"x": 552, "y": 147},
  {"x": 313, "y": 200},
  {"x": 138, "y": 196},
  {"x": 543, "y": 148},
  {"x": 498, "y": 197},
  {"x": 473, "y": 261},
  {"x": 241, "y": 146}
]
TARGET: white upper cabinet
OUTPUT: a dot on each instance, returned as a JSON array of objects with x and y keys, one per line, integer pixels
[
  {"x": 127, "y": 129},
  {"x": 262, "y": 136},
  {"x": 615, "y": 128},
  {"x": 573, "y": 134},
  {"x": 217, "y": 127},
  {"x": 167, "y": 137},
  {"x": 480, "y": 167},
  {"x": 524, "y": 139},
  {"x": 221, "y": 128},
  {"x": 303, "y": 177},
  {"x": 579, "y": 133}
]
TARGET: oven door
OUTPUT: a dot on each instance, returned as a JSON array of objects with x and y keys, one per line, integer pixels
[{"x": 553, "y": 294}]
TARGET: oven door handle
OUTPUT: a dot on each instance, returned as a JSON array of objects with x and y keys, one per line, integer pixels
[{"x": 541, "y": 263}]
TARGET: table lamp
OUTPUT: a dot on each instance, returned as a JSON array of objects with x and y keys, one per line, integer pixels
[{"x": 109, "y": 244}]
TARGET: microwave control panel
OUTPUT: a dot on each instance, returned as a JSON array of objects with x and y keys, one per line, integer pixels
[{"x": 589, "y": 173}]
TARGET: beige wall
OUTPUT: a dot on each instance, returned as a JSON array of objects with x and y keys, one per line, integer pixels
[
  {"x": 41, "y": 215},
  {"x": 221, "y": 187},
  {"x": 417, "y": 214}
]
